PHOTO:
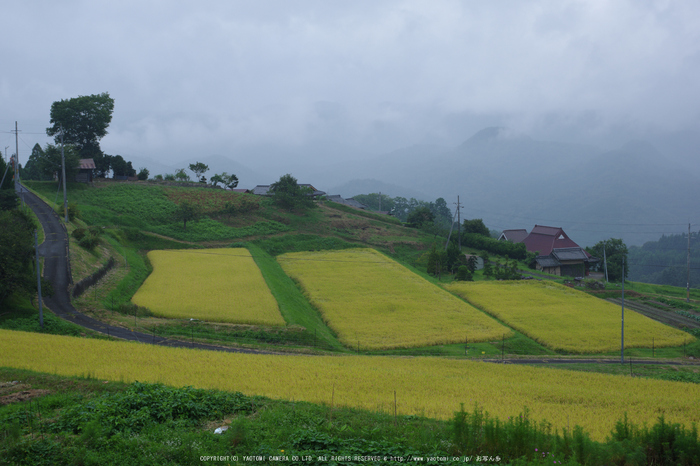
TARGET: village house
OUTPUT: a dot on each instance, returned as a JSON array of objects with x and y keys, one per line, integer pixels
[{"x": 558, "y": 254}]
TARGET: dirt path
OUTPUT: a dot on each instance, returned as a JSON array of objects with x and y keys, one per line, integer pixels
[{"x": 665, "y": 317}]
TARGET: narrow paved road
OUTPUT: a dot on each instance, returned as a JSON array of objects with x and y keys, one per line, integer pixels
[{"x": 54, "y": 250}]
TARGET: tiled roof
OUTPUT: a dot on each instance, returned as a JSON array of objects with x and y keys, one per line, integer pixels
[
  {"x": 515, "y": 236},
  {"x": 547, "y": 261},
  {"x": 348, "y": 202},
  {"x": 261, "y": 189},
  {"x": 545, "y": 239},
  {"x": 87, "y": 164},
  {"x": 570, "y": 254}
]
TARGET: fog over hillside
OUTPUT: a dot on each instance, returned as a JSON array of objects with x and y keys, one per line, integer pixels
[{"x": 575, "y": 114}]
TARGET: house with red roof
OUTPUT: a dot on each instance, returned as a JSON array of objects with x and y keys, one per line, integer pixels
[{"x": 557, "y": 253}]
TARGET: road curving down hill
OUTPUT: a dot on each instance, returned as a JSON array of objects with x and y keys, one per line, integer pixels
[{"x": 54, "y": 250}]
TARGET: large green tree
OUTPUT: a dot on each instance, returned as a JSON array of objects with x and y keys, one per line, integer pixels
[
  {"x": 84, "y": 121},
  {"x": 8, "y": 197},
  {"x": 476, "y": 226},
  {"x": 287, "y": 194},
  {"x": 615, "y": 253},
  {"x": 32, "y": 169},
  {"x": 121, "y": 167},
  {"x": 187, "y": 212},
  {"x": 420, "y": 217},
  {"x": 50, "y": 164},
  {"x": 199, "y": 169},
  {"x": 443, "y": 215}
]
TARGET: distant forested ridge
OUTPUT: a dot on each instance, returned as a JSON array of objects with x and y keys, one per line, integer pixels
[{"x": 665, "y": 261}]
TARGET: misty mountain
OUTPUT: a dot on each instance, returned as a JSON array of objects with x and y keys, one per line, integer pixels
[
  {"x": 354, "y": 187},
  {"x": 513, "y": 181}
]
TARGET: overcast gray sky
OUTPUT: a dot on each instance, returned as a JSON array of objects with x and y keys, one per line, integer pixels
[{"x": 378, "y": 75}]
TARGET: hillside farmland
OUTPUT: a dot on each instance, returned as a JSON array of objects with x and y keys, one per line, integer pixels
[
  {"x": 566, "y": 319},
  {"x": 374, "y": 302},
  {"x": 216, "y": 285}
]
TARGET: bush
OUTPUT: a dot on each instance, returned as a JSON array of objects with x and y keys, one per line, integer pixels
[
  {"x": 73, "y": 212},
  {"x": 89, "y": 242},
  {"x": 464, "y": 274},
  {"x": 502, "y": 248},
  {"x": 79, "y": 233},
  {"x": 95, "y": 230}
]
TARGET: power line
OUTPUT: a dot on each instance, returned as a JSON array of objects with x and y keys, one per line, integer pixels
[{"x": 540, "y": 219}]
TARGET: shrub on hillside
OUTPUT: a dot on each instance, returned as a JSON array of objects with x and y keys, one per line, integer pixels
[
  {"x": 502, "y": 248},
  {"x": 73, "y": 212},
  {"x": 464, "y": 274},
  {"x": 89, "y": 242},
  {"x": 79, "y": 233}
]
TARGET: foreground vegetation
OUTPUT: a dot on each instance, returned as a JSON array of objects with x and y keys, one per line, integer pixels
[{"x": 69, "y": 421}]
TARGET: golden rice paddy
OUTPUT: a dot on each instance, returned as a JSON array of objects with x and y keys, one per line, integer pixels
[
  {"x": 215, "y": 285},
  {"x": 562, "y": 318},
  {"x": 424, "y": 386},
  {"x": 373, "y": 302}
]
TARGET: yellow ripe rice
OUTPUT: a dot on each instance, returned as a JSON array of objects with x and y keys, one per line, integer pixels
[
  {"x": 215, "y": 285},
  {"x": 431, "y": 387},
  {"x": 562, "y": 318},
  {"x": 374, "y": 302}
]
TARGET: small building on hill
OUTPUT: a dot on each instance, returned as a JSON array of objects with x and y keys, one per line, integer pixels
[
  {"x": 348, "y": 202},
  {"x": 86, "y": 171},
  {"x": 558, "y": 254}
]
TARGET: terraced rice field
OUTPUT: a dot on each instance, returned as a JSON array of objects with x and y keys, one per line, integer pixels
[
  {"x": 373, "y": 302},
  {"x": 562, "y": 318},
  {"x": 215, "y": 285},
  {"x": 424, "y": 386}
]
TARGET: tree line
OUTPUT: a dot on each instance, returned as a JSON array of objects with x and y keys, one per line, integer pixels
[
  {"x": 665, "y": 261},
  {"x": 17, "y": 254}
]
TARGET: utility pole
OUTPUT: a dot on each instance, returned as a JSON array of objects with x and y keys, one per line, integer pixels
[
  {"x": 16, "y": 152},
  {"x": 605, "y": 263},
  {"x": 38, "y": 280},
  {"x": 622, "y": 344},
  {"x": 380, "y": 201},
  {"x": 687, "y": 286},
  {"x": 459, "y": 227},
  {"x": 63, "y": 168},
  {"x": 17, "y": 159}
]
